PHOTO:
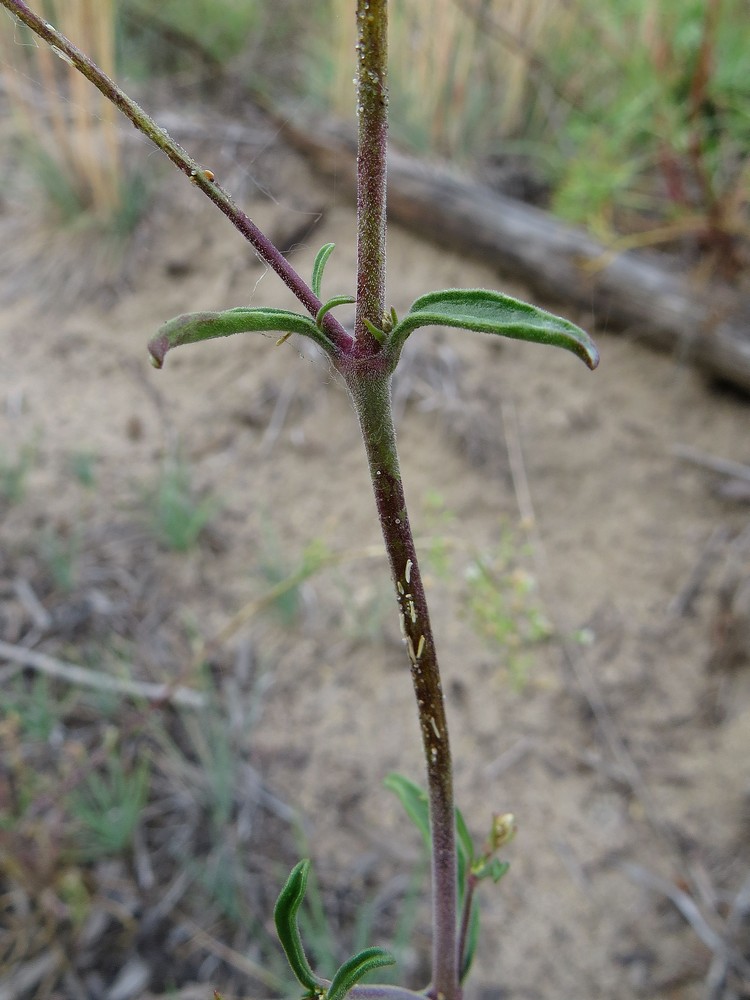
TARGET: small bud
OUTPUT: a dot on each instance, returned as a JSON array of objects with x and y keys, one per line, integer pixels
[{"x": 503, "y": 830}]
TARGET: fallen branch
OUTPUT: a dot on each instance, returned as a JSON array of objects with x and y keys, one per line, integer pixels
[{"x": 707, "y": 323}]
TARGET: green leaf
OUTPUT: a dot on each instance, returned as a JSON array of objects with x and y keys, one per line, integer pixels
[
  {"x": 190, "y": 328},
  {"x": 321, "y": 259},
  {"x": 464, "y": 850},
  {"x": 337, "y": 300},
  {"x": 285, "y": 918},
  {"x": 350, "y": 973},
  {"x": 472, "y": 939},
  {"x": 494, "y": 869},
  {"x": 464, "y": 837},
  {"x": 491, "y": 312},
  {"x": 379, "y": 335},
  {"x": 414, "y": 800}
]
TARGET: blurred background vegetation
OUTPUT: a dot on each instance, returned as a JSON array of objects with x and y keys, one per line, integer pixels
[{"x": 631, "y": 117}]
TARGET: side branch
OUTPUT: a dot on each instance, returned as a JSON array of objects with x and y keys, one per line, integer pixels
[{"x": 202, "y": 178}]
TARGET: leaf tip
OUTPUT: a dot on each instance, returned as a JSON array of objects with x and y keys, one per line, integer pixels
[
  {"x": 591, "y": 356},
  {"x": 158, "y": 348}
]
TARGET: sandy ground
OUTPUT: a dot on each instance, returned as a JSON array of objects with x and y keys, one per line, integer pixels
[{"x": 623, "y": 752}]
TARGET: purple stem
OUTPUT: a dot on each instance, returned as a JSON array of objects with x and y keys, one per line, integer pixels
[
  {"x": 370, "y": 391},
  {"x": 372, "y": 112},
  {"x": 368, "y": 380}
]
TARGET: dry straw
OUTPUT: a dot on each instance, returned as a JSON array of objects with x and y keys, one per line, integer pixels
[
  {"x": 66, "y": 122},
  {"x": 461, "y": 68}
]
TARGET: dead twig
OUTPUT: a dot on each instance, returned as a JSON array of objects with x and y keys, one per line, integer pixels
[
  {"x": 74, "y": 674},
  {"x": 681, "y": 604},
  {"x": 39, "y": 615},
  {"x": 716, "y": 942},
  {"x": 720, "y": 966},
  {"x": 724, "y": 466}
]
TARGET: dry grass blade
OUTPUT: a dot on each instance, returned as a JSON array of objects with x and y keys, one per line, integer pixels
[
  {"x": 72, "y": 127},
  {"x": 240, "y": 962},
  {"x": 448, "y": 68},
  {"x": 30, "y": 974}
]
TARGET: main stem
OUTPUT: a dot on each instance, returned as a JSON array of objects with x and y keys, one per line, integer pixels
[
  {"x": 371, "y": 394},
  {"x": 372, "y": 113},
  {"x": 369, "y": 384}
]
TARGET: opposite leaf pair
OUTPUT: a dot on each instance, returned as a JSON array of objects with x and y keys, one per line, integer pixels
[
  {"x": 475, "y": 309},
  {"x": 473, "y": 867},
  {"x": 285, "y": 917}
]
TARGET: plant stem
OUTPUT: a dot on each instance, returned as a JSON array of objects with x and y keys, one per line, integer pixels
[
  {"x": 198, "y": 175},
  {"x": 369, "y": 382},
  {"x": 372, "y": 112},
  {"x": 370, "y": 391}
]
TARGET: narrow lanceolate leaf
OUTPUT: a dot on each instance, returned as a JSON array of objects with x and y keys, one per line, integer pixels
[
  {"x": 414, "y": 800},
  {"x": 491, "y": 312},
  {"x": 465, "y": 852},
  {"x": 472, "y": 939},
  {"x": 464, "y": 840},
  {"x": 285, "y": 918},
  {"x": 337, "y": 300},
  {"x": 321, "y": 259},
  {"x": 354, "y": 968},
  {"x": 191, "y": 328}
]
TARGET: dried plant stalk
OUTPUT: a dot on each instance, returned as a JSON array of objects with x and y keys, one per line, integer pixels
[{"x": 67, "y": 122}]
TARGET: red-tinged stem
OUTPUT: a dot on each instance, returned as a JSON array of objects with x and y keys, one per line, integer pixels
[
  {"x": 370, "y": 391},
  {"x": 372, "y": 114},
  {"x": 197, "y": 174},
  {"x": 368, "y": 381}
]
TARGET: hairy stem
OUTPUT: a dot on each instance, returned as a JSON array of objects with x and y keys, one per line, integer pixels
[
  {"x": 372, "y": 112},
  {"x": 198, "y": 175},
  {"x": 370, "y": 391}
]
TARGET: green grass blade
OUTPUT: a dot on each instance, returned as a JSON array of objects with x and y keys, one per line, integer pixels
[{"x": 472, "y": 939}]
